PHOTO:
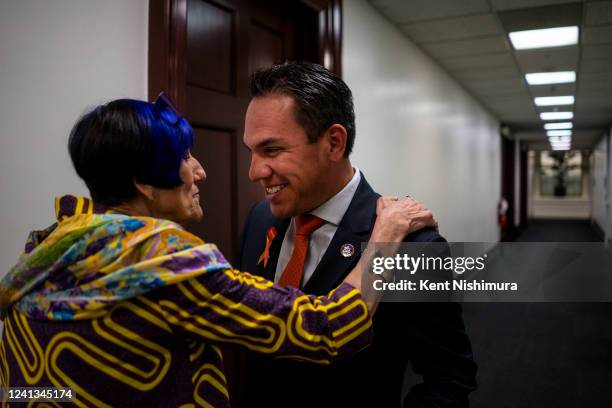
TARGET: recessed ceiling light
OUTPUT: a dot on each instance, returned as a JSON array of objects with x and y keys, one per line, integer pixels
[
  {"x": 560, "y": 139},
  {"x": 554, "y": 100},
  {"x": 558, "y": 125},
  {"x": 564, "y": 147},
  {"x": 556, "y": 115},
  {"x": 559, "y": 133},
  {"x": 544, "y": 38},
  {"x": 545, "y": 78}
]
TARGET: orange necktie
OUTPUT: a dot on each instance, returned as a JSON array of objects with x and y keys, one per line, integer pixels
[{"x": 305, "y": 225}]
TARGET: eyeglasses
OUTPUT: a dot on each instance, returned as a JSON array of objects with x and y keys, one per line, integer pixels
[{"x": 163, "y": 103}]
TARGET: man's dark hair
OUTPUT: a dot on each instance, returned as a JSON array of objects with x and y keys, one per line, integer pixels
[
  {"x": 321, "y": 98},
  {"x": 124, "y": 141}
]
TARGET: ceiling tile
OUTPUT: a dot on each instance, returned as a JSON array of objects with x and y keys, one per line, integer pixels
[
  {"x": 471, "y": 43},
  {"x": 591, "y": 119},
  {"x": 518, "y": 4},
  {"x": 598, "y": 13},
  {"x": 467, "y": 47},
  {"x": 586, "y": 140},
  {"x": 491, "y": 87},
  {"x": 532, "y": 135},
  {"x": 508, "y": 107},
  {"x": 594, "y": 88},
  {"x": 512, "y": 100},
  {"x": 519, "y": 119},
  {"x": 596, "y": 65},
  {"x": 552, "y": 90},
  {"x": 408, "y": 11},
  {"x": 596, "y": 51},
  {"x": 541, "y": 17},
  {"x": 514, "y": 113},
  {"x": 509, "y": 71},
  {"x": 596, "y": 77},
  {"x": 549, "y": 59},
  {"x": 597, "y": 35},
  {"x": 452, "y": 28},
  {"x": 582, "y": 139},
  {"x": 481, "y": 61},
  {"x": 586, "y": 111},
  {"x": 595, "y": 103},
  {"x": 566, "y": 108}
]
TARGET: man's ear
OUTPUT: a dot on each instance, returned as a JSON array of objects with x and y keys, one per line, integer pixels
[
  {"x": 146, "y": 190},
  {"x": 336, "y": 136}
]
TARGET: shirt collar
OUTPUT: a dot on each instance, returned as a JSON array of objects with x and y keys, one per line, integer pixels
[{"x": 333, "y": 209}]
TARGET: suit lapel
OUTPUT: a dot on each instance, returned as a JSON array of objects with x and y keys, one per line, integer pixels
[
  {"x": 355, "y": 228},
  {"x": 333, "y": 266}
]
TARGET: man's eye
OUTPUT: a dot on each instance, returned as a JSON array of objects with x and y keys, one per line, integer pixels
[{"x": 273, "y": 150}]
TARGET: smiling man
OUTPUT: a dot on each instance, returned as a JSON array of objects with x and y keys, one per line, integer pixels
[
  {"x": 300, "y": 129},
  {"x": 298, "y": 174}
]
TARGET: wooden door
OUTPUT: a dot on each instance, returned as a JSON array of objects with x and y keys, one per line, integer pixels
[
  {"x": 202, "y": 52},
  {"x": 524, "y": 174}
]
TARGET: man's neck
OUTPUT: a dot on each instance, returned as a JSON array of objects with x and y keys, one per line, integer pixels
[
  {"x": 343, "y": 173},
  {"x": 346, "y": 173}
]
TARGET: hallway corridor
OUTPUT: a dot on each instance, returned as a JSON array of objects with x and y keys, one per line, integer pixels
[
  {"x": 543, "y": 354},
  {"x": 544, "y": 230}
]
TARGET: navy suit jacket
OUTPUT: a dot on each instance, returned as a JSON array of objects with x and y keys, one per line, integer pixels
[{"x": 431, "y": 336}]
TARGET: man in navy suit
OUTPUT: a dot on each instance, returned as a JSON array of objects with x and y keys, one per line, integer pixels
[{"x": 300, "y": 129}]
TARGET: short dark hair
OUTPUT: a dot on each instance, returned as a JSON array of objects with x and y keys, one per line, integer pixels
[
  {"x": 123, "y": 141},
  {"x": 321, "y": 98}
]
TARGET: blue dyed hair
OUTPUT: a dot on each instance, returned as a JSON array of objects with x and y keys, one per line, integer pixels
[
  {"x": 128, "y": 140},
  {"x": 170, "y": 138}
]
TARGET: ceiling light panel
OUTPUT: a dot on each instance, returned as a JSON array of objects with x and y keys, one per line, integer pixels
[
  {"x": 544, "y": 38},
  {"x": 546, "y": 78},
  {"x": 560, "y": 139},
  {"x": 556, "y": 115},
  {"x": 554, "y": 100},
  {"x": 558, "y": 125},
  {"x": 559, "y": 133}
]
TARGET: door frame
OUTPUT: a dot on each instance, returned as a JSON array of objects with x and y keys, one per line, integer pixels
[{"x": 167, "y": 66}]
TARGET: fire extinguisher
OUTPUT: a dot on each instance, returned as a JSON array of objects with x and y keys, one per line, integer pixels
[{"x": 502, "y": 209}]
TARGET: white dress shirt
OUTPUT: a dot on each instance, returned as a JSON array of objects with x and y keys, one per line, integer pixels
[{"x": 332, "y": 211}]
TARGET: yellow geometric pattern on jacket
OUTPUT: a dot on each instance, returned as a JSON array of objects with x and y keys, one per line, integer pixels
[{"x": 161, "y": 349}]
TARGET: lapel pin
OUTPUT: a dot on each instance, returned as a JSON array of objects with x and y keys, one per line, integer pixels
[
  {"x": 265, "y": 256},
  {"x": 347, "y": 250}
]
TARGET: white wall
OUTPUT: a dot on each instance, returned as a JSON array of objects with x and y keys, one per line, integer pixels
[
  {"x": 57, "y": 58},
  {"x": 418, "y": 132},
  {"x": 599, "y": 170}
]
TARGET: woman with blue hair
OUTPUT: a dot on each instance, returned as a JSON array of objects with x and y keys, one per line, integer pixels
[{"x": 119, "y": 303}]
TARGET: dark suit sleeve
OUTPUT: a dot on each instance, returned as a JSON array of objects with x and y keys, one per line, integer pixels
[
  {"x": 245, "y": 231},
  {"x": 253, "y": 239},
  {"x": 440, "y": 350}
]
